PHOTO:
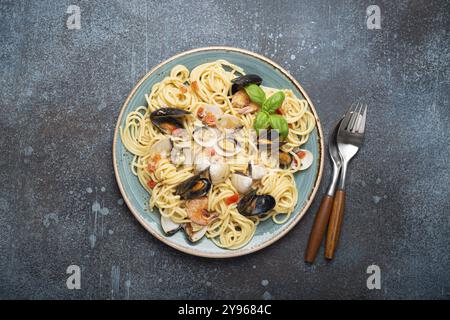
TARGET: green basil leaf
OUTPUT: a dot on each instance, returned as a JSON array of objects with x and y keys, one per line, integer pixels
[
  {"x": 256, "y": 94},
  {"x": 273, "y": 102},
  {"x": 279, "y": 123},
  {"x": 262, "y": 121}
]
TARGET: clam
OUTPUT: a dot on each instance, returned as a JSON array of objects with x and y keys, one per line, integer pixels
[
  {"x": 192, "y": 235},
  {"x": 162, "y": 147},
  {"x": 205, "y": 136},
  {"x": 241, "y": 182},
  {"x": 201, "y": 162},
  {"x": 256, "y": 171},
  {"x": 209, "y": 114},
  {"x": 227, "y": 146},
  {"x": 306, "y": 158},
  {"x": 218, "y": 170},
  {"x": 169, "y": 227},
  {"x": 252, "y": 204},
  {"x": 178, "y": 156},
  {"x": 228, "y": 122},
  {"x": 168, "y": 119},
  {"x": 245, "y": 80}
]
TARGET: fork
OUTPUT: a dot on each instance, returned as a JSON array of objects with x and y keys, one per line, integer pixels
[
  {"x": 349, "y": 139},
  {"x": 323, "y": 214}
]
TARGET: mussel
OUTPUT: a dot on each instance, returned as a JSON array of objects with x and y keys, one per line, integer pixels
[
  {"x": 285, "y": 159},
  {"x": 252, "y": 204},
  {"x": 168, "y": 119},
  {"x": 169, "y": 112},
  {"x": 194, "y": 187},
  {"x": 242, "y": 81}
]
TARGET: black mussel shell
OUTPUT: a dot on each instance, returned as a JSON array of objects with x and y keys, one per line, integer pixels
[
  {"x": 192, "y": 188},
  {"x": 167, "y": 124},
  {"x": 242, "y": 81},
  {"x": 171, "y": 112},
  {"x": 167, "y": 119},
  {"x": 252, "y": 204}
]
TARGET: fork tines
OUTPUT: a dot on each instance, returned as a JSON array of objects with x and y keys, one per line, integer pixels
[{"x": 355, "y": 118}]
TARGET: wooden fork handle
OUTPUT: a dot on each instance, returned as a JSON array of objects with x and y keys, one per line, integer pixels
[
  {"x": 334, "y": 226},
  {"x": 318, "y": 229}
]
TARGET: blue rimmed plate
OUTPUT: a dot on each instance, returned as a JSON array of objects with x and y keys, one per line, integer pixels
[{"x": 136, "y": 197}]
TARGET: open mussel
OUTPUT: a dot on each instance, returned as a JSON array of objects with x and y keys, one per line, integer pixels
[
  {"x": 194, "y": 187},
  {"x": 242, "y": 81},
  {"x": 168, "y": 119},
  {"x": 252, "y": 204},
  {"x": 169, "y": 112},
  {"x": 285, "y": 159}
]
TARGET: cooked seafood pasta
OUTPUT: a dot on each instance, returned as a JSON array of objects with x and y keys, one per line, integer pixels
[{"x": 217, "y": 150}]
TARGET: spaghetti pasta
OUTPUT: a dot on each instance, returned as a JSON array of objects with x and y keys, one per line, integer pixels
[{"x": 209, "y": 86}]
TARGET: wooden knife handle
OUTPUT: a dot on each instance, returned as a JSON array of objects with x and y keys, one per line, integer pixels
[
  {"x": 334, "y": 226},
  {"x": 318, "y": 229}
]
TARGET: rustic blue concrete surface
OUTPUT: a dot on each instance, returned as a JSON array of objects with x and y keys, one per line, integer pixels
[{"x": 60, "y": 94}]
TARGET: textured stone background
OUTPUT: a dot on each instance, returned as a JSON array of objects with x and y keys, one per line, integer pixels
[{"x": 61, "y": 91}]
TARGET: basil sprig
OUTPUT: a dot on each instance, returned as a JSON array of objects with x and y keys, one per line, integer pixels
[
  {"x": 255, "y": 93},
  {"x": 266, "y": 117},
  {"x": 262, "y": 121},
  {"x": 274, "y": 102},
  {"x": 279, "y": 123}
]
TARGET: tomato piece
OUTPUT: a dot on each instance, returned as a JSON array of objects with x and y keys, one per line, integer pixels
[
  {"x": 212, "y": 152},
  {"x": 200, "y": 112},
  {"x": 232, "y": 199},
  {"x": 151, "y": 184},
  {"x": 279, "y": 111},
  {"x": 301, "y": 154},
  {"x": 209, "y": 119},
  {"x": 183, "y": 89},
  {"x": 156, "y": 158},
  {"x": 194, "y": 85},
  {"x": 168, "y": 127},
  {"x": 151, "y": 167}
]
